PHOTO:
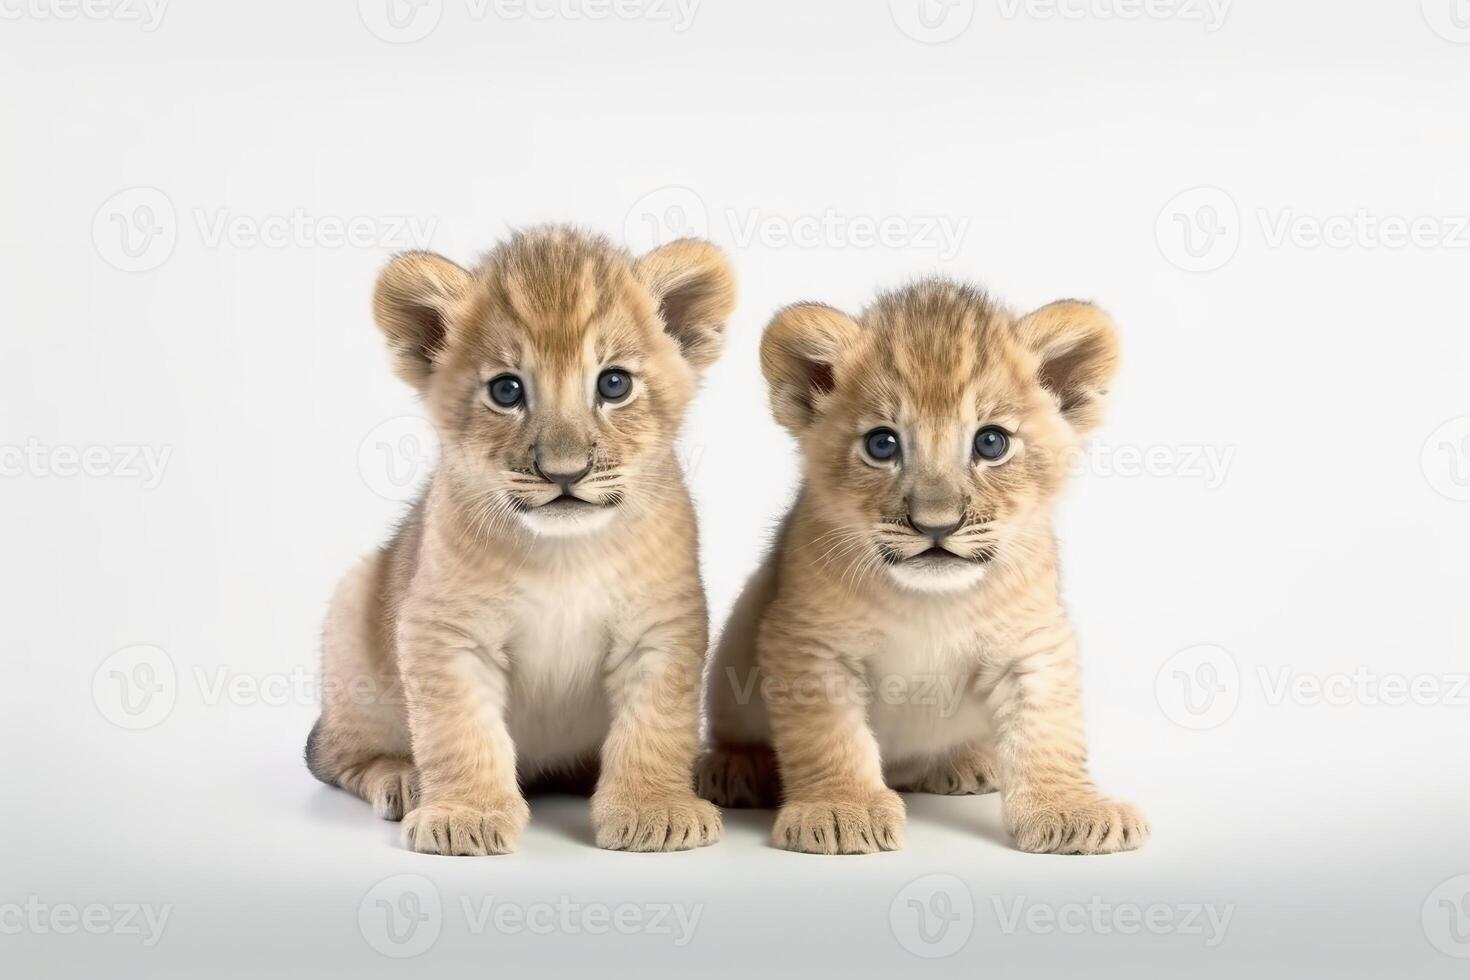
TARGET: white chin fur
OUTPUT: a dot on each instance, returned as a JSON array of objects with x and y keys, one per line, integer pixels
[
  {"x": 569, "y": 524},
  {"x": 947, "y": 579}
]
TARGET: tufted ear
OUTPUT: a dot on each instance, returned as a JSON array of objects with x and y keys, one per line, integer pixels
[
  {"x": 694, "y": 287},
  {"x": 411, "y": 304},
  {"x": 1076, "y": 345},
  {"x": 799, "y": 355}
]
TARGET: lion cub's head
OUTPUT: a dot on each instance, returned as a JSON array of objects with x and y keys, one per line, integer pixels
[
  {"x": 935, "y": 427},
  {"x": 557, "y": 371}
]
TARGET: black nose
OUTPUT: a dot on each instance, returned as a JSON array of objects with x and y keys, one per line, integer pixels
[
  {"x": 934, "y": 532},
  {"x": 565, "y": 480}
]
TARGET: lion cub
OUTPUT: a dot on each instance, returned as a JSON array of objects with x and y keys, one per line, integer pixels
[
  {"x": 906, "y": 633},
  {"x": 539, "y": 614}
]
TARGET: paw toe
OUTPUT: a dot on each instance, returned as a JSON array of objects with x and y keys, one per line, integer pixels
[
  {"x": 841, "y": 827},
  {"x": 463, "y": 831}
]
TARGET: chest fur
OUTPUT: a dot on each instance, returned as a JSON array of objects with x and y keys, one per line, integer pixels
[
  {"x": 557, "y": 708},
  {"x": 924, "y": 690}
]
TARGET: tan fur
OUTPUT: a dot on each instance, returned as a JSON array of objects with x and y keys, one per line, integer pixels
[
  {"x": 499, "y": 640},
  {"x": 871, "y": 669}
]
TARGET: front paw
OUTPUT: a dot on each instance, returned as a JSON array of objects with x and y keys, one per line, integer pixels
[
  {"x": 466, "y": 829},
  {"x": 1085, "y": 825},
  {"x": 626, "y": 822},
  {"x": 841, "y": 826}
]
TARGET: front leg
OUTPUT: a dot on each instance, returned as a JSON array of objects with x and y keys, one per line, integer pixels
[
  {"x": 1049, "y": 801},
  {"x": 455, "y": 687},
  {"x": 645, "y": 798},
  {"x": 835, "y": 801}
]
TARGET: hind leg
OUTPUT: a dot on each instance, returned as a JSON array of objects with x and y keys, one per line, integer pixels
[
  {"x": 361, "y": 742},
  {"x": 388, "y": 782},
  {"x": 968, "y": 769},
  {"x": 739, "y": 776},
  {"x": 739, "y": 769}
]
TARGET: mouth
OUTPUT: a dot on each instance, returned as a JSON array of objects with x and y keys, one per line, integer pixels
[
  {"x": 936, "y": 558},
  {"x": 567, "y": 504},
  {"x": 568, "y": 515},
  {"x": 937, "y": 569}
]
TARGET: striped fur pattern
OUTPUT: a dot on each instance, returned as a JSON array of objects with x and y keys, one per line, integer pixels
[
  {"x": 861, "y": 660},
  {"x": 539, "y": 615}
]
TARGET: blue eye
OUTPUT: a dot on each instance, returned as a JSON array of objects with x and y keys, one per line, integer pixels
[
  {"x": 507, "y": 391},
  {"x": 991, "y": 443},
  {"x": 881, "y": 444},
  {"x": 614, "y": 384}
]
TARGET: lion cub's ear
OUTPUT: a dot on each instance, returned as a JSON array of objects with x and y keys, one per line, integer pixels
[
  {"x": 411, "y": 304},
  {"x": 1077, "y": 347},
  {"x": 694, "y": 287},
  {"x": 799, "y": 355}
]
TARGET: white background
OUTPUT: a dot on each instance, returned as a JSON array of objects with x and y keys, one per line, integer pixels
[{"x": 1172, "y": 164}]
